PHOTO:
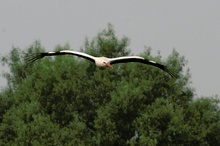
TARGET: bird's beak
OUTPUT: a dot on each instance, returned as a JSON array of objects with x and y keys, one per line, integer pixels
[{"x": 108, "y": 65}]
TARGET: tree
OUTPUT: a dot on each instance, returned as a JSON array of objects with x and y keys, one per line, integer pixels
[{"x": 66, "y": 100}]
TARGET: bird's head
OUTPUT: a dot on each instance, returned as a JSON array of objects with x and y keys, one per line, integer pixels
[
  {"x": 106, "y": 64},
  {"x": 102, "y": 62}
]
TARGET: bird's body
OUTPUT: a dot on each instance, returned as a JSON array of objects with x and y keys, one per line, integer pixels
[{"x": 103, "y": 62}]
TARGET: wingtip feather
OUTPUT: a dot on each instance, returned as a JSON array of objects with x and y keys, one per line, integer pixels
[
  {"x": 172, "y": 73},
  {"x": 32, "y": 58}
]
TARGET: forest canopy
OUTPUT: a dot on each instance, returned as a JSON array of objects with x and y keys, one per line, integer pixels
[{"x": 66, "y": 100}]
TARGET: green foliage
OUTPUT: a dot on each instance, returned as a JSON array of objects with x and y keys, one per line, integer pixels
[{"x": 66, "y": 100}]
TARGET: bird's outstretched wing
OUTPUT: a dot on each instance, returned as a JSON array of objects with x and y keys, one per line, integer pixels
[
  {"x": 35, "y": 57},
  {"x": 139, "y": 59}
]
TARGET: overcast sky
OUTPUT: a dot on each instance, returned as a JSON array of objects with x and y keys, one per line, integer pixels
[{"x": 192, "y": 27}]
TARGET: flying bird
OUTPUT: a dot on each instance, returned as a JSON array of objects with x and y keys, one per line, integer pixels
[{"x": 103, "y": 62}]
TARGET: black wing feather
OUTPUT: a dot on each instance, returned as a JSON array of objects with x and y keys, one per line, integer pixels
[
  {"x": 32, "y": 58},
  {"x": 161, "y": 66},
  {"x": 146, "y": 61}
]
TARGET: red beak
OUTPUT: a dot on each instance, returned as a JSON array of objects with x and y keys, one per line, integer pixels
[{"x": 108, "y": 65}]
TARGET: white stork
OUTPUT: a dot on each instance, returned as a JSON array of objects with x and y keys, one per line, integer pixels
[{"x": 103, "y": 62}]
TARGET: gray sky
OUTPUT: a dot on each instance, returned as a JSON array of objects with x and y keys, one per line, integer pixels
[{"x": 191, "y": 27}]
